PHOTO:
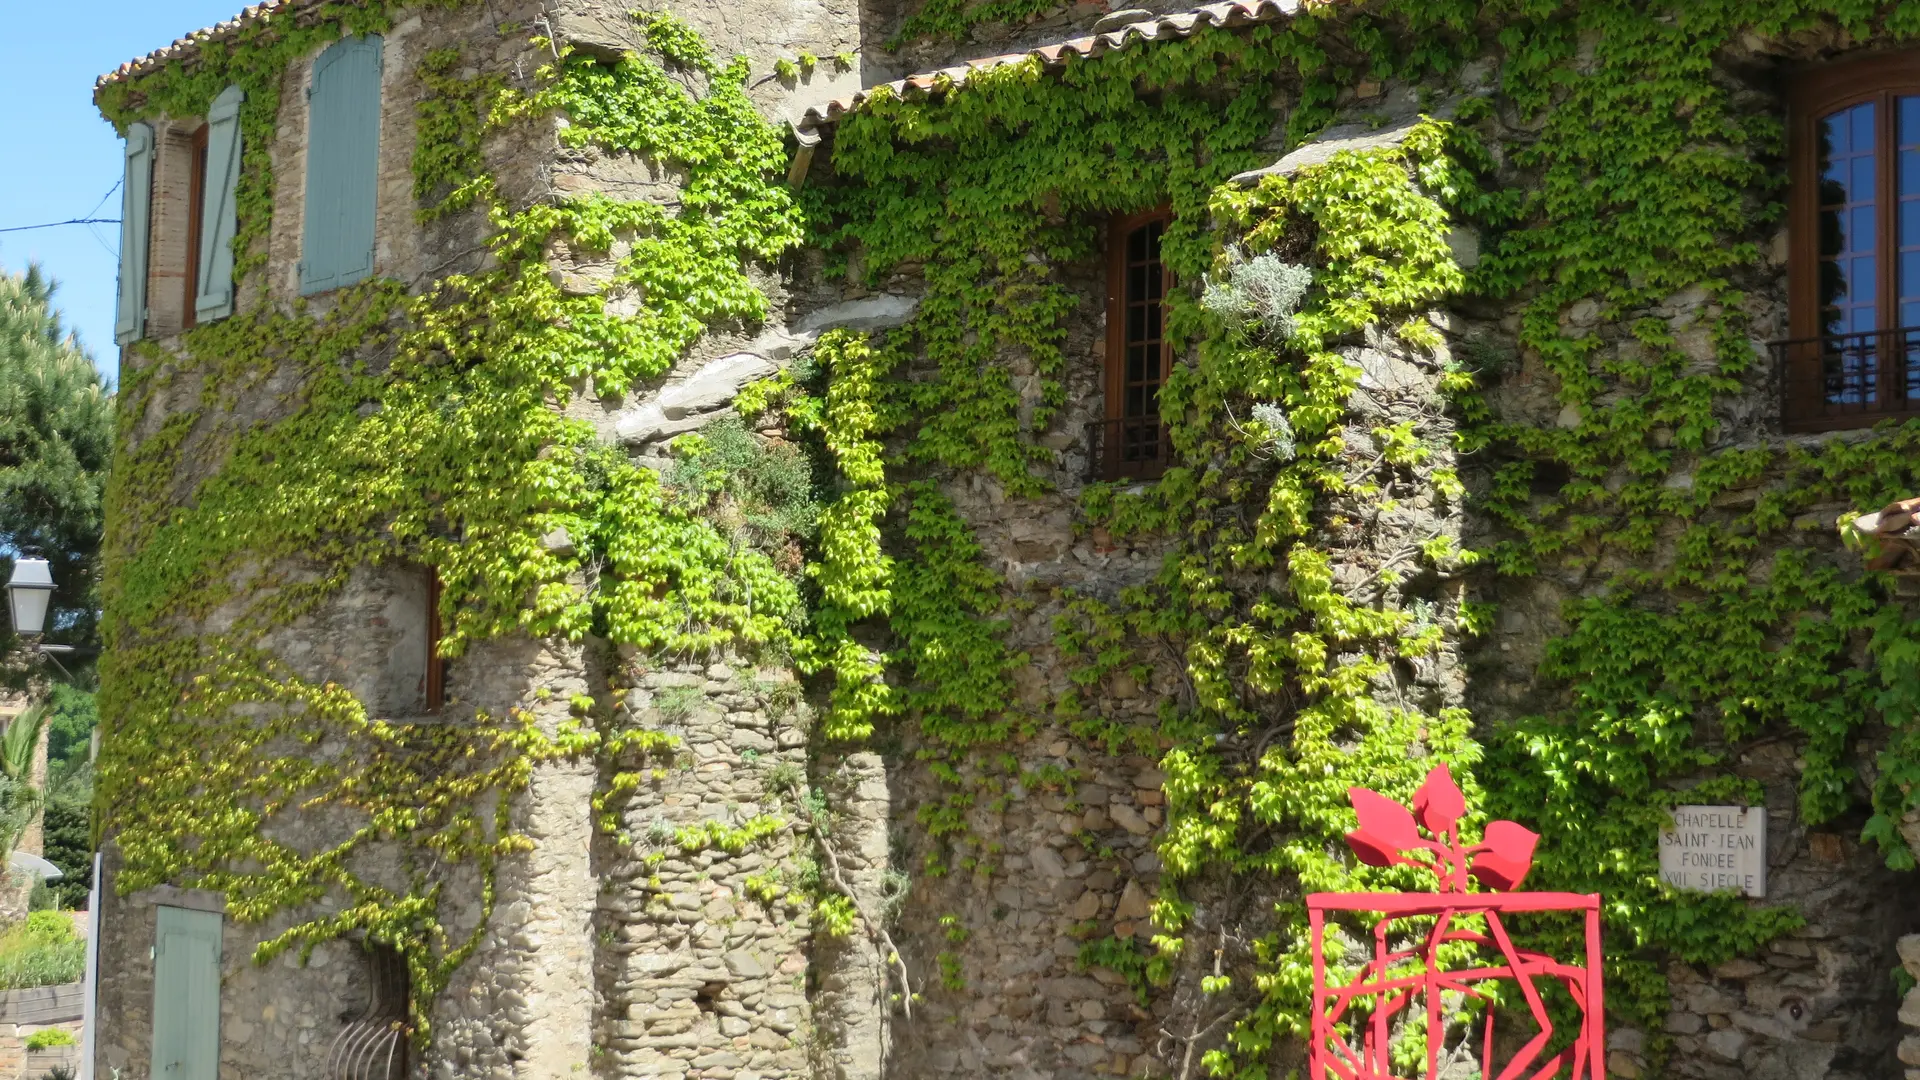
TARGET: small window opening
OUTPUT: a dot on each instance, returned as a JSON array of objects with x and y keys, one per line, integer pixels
[
  {"x": 1132, "y": 443},
  {"x": 436, "y": 679},
  {"x": 373, "y": 1044}
]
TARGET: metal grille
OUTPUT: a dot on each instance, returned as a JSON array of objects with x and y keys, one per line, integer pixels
[
  {"x": 1132, "y": 443},
  {"x": 1849, "y": 380},
  {"x": 374, "y": 1047},
  {"x": 1130, "y": 448}
]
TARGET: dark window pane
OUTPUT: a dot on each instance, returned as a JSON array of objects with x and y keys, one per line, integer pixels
[
  {"x": 1136, "y": 401},
  {"x": 1136, "y": 363},
  {"x": 1136, "y": 284},
  {"x": 1848, "y": 226},
  {"x": 1861, "y": 279},
  {"x": 1137, "y": 246},
  {"x": 1153, "y": 322},
  {"x": 1907, "y": 233},
  {"x": 1136, "y": 322},
  {"x": 1156, "y": 280}
]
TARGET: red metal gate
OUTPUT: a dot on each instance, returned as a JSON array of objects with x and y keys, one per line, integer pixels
[{"x": 1354, "y": 1023}]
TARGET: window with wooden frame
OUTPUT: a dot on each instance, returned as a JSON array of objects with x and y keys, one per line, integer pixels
[
  {"x": 1852, "y": 357},
  {"x": 436, "y": 677},
  {"x": 178, "y": 221},
  {"x": 1132, "y": 443}
]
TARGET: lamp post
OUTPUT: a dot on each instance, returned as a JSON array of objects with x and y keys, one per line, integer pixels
[{"x": 29, "y": 594}]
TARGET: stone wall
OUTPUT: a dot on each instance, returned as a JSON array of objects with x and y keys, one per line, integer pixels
[
  {"x": 24, "y": 1013},
  {"x": 1080, "y": 861},
  {"x": 1910, "y": 1006},
  {"x": 277, "y": 1021},
  {"x": 652, "y": 948},
  {"x": 532, "y": 996},
  {"x": 703, "y": 959},
  {"x": 1817, "y": 1003}
]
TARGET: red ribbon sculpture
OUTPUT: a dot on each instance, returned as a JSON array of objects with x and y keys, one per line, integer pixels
[{"x": 1394, "y": 979}]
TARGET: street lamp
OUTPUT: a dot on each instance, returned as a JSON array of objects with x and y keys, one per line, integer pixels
[{"x": 29, "y": 593}]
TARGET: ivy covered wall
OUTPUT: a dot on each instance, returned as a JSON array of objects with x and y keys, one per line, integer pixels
[{"x": 1503, "y": 487}]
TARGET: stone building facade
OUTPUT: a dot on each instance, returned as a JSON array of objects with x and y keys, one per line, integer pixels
[{"x": 609, "y": 946}]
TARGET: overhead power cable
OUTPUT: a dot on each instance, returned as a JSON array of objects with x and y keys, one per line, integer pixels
[{"x": 69, "y": 221}]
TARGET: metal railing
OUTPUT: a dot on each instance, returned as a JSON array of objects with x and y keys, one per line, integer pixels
[
  {"x": 1849, "y": 380},
  {"x": 1128, "y": 448}
]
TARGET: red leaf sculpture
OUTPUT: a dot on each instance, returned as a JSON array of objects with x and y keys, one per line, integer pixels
[
  {"x": 1507, "y": 857},
  {"x": 1438, "y": 804},
  {"x": 1370, "y": 851},
  {"x": 1385, "y": 828}
]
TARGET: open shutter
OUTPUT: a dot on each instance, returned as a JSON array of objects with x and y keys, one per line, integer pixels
[
  {"x": 186, "y": 995},
  {"x": 343, "y": 160},
  {"x": 136, "y": 198},
  {"x": 218, "y": 218}
]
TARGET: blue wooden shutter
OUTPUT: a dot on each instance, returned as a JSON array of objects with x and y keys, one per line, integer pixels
[
  {"x": 135, "y": 197},
  {"x": 343, "y": 159},
  {"x": 218, "y": 219},
  {"x": 186, "y": 995}
]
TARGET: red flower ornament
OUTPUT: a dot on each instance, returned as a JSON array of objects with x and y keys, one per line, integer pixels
[{"x": 1389, "y": 835}]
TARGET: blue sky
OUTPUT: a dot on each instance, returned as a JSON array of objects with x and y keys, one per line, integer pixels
[{"x": 61, "y": 156}]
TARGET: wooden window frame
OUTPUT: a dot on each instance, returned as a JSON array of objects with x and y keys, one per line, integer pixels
[
  {"x": 1108, "y": 458},
  {"x": 1816, "y": 94},
  {"x": 436, "y": 678},
  {"x": 196, "y": 222}
]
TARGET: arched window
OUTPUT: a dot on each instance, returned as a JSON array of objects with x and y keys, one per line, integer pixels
[
  {"x": 1132, "y": 442},
  {"x": 373, "y": 1044},
  {"x": 1853, "y": 357}
]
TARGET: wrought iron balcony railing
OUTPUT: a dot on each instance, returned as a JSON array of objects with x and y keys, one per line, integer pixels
[
  {"x": 1849, "y": 380},
  {"x": 1129, "y": 448}
]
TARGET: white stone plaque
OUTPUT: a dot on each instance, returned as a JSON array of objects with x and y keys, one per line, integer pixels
[{"x": 1715, "y": 848}]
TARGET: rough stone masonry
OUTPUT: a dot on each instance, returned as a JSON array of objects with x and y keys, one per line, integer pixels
[{"x": 633, "y": 958}]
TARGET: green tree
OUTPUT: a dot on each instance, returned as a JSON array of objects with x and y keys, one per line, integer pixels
[
  {"x": 56, "y": 434},
  {"x": 73, "y": 714}
]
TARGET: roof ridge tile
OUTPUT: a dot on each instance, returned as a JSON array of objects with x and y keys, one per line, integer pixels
[{"x": 1178, "y": 24}]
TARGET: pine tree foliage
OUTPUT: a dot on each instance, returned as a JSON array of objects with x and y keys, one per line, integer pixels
[{"x": 56, "y": 434}]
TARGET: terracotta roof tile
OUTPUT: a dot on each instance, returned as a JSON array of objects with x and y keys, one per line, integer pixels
[
  {"x": 225, "y": 31},
  {"x": 1156, "y": 28}
]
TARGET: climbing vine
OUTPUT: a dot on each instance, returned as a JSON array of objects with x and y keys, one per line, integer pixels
[
  {"x": 1617, "y": 185},
  {"x": 1635, "y": 195},
  {"x": 422, "y": 431}
]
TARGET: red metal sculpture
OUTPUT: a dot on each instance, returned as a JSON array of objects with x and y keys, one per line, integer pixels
[{"x": 1365, "y": 1009}]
